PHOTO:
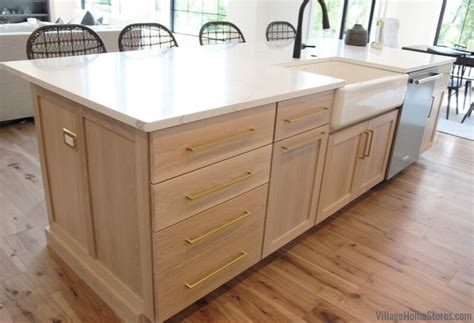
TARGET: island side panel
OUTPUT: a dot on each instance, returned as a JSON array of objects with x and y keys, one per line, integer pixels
[{"x": 104, "y": 233}]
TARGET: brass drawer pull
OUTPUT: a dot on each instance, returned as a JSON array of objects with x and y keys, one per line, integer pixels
[
  {"x": 313, "y": 114},
  {"x": 195, "y": 196},
  {"x": 219, "y": 228},
  {"x": 221, "y": 141},
  {"x": 70, "y": 138},
  {"x": 303, "y": 143},
  {"x": 371, "y": 136},
  {"x": 363, "y": 150},
  {"x": 242, "y": 255}
]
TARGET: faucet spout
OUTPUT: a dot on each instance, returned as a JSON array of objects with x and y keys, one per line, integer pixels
[{"x": 298, "y": 46}]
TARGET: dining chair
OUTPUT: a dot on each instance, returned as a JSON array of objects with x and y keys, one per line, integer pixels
[
  {"x": 220, "y": 32},
  {"x": 456, "y": 83},
  {"x": 468, "y": 112},
  {"x": 145, "y": 36},
  {"x": 63, "y": 40},
  {"x": 280, "y": 30},
  {"x": 457, "y": 74}
]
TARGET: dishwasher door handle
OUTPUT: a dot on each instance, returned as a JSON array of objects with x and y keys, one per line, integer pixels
[{"x": 433, "y": 77}]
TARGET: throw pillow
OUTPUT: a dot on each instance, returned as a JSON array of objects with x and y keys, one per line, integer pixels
[
  {"x": 60, "y": 21},
  {"x": 88, "y": 19}
]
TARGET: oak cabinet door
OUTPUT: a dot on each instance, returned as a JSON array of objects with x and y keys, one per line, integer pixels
[
  {"x": 295, "y": 181},
  {"x": 345, "y": 147},
  {"x": 373, "y": 165},
  {"x": 432, "y": 121},
  {"x": 62, "y": 147}
]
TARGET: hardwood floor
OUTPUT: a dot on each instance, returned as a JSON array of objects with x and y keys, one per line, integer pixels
[{"x": 407, "y": 245}]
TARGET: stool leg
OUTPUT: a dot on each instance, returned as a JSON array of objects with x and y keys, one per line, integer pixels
[
  {"x": 466, "y": 86},
  {"x": 457, "y": 101},
  {"x": 468, "y": 113},
  {"x": 449, "y": 102}
]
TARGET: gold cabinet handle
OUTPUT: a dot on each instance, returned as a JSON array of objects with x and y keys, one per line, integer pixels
[
  {"x": 221, "y": 141},
  {"x": 313, "y": 114},
  {"x": 219, "y": 228},
  {"x": 363, "y": 150},
  {"x": 242, "y": 255},
  {"x": 69, "y": 138},
  {"x": 371, "y": 136},
  {"x": 303, "y": 143},
  {"x": 197, "y": 195}
]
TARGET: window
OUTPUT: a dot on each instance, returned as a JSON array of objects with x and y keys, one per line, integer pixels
[
  {"x": 456, "y": 23},
  {"x": 98, "y": 5},
  {"x": 335, "y": 15},
  {"x": 343, "y": 14},
  {"x": 358, "y": 12},
  {"x": 189, "y": 15}
]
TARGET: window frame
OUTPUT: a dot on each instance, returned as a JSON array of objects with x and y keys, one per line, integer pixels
[
  {"x": 83, "y": 4},
  {"x": 172, "y": 15},
  {"x": 440, "y": 23},
  {"x": 344, "y": 17}
]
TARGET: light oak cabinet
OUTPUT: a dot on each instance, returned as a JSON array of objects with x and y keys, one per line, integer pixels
[
  {"x": 295, "y": 181},
  {"x": 433, "y": 114},
  {"x": 356, "y": 161},
  {"x": 154, "y": 221},
  {"x": 432, "y": 119}
]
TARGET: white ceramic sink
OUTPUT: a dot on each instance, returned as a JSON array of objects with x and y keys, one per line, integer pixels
[{"x": 368, "y": 91}]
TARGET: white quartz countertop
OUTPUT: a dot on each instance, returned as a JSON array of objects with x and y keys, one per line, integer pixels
[{"x": 155, "y": 89}]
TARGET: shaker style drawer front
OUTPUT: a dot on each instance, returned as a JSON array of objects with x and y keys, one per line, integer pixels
[
  {"x": 187, "y": 282},
  {"x": 188, "y": 238},
  {"x": 302, "y": 114},
  {"x": 185, "y": 148},
  {"x": 184, "y": 196}
]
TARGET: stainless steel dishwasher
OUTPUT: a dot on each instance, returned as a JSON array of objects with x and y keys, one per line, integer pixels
[{"x": 412, "y": 120}]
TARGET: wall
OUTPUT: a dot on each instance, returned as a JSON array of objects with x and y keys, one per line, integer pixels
[
  {"x": 418, "y": 19},
  {"x": 253, "y": 16},
  {"x": 64, "y": 9}
]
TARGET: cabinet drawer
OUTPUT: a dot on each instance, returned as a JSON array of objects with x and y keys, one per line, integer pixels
[
  {"x": 200, "y": 232},
  {"x": 185, "y": 148},
  {"x": 302, "y": 114},
  {"x": 189, "y": 194},
  {"x": 187, "y": 282}
]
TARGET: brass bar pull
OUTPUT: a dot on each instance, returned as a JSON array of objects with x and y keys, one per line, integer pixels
[
  {"x": 219, "y": 228},
  {"x": 242, "y": 255},
  {"x": 371, "y": 136},
  {"x": 306, "y": 116},
  {"x": 70, "y": 138},
  {"x": 221, "y": 141},
  {"x": 303, "y": 143},
  {"x": 197, "y": 195},
  {"x": 362, "y": 151}
]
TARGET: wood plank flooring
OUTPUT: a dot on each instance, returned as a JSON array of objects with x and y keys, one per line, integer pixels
[{"x": 407, "y": 245}]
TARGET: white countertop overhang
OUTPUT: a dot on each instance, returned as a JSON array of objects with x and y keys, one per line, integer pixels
[{"x": 152, "y": 90}]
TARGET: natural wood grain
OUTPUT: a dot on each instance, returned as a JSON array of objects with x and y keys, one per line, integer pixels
[
  {"x": 202, "y": 271},
  {"x": 356, "y": 161},
  {"x": 170, "y": 246},
  {"x": 295, "y": 182},
  {"x": 407, "y": 235},
  {"x": 302, "y": 114},
  {"x": 170, "y": 204},
  {"x": 110, "y": 198},
  {"x": 169, "y": 154}
]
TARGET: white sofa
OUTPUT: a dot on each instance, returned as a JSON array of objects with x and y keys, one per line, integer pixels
[{"x": 15, "y": 98}]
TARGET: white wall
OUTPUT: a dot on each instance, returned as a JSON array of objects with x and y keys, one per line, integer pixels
[
  {"x": 253, "y": 16},
  {"x": 418, "y": 19},
  {"x": 64, "y": 9}
]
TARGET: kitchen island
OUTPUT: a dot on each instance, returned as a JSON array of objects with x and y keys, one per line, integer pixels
[{"x": 168, "y": 173}]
